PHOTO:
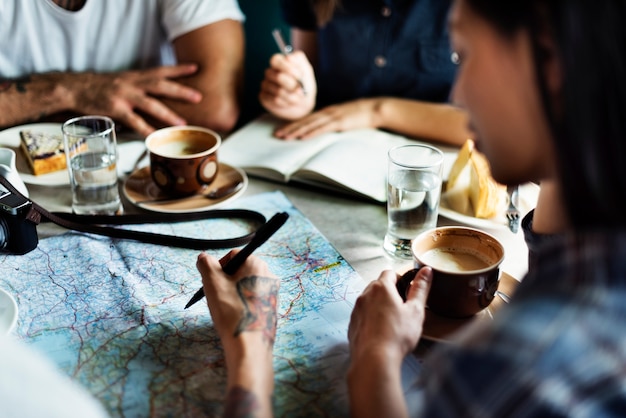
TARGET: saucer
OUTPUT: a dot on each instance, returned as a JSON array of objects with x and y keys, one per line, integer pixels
[
  {"x": 8, "y": 312},
  {"x": 440, "y": 328},
  {"x": 139, "y": 187}
]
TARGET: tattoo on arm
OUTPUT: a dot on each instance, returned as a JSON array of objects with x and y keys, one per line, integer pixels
[
  {"x": 240, "y": 402},
  {"x": 19, "y": 83},
  {"x": 260, "y": 298}
]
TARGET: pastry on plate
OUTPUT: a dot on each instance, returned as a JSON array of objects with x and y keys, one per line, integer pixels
[
  {"x": 43, "y": 151},
  {"x": 470, "y": 189}
]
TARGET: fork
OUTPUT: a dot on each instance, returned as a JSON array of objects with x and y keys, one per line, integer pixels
[{"x": 512, "y": 212}]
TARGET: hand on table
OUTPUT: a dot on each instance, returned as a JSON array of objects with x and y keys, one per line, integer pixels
[
  {"x": 355, "y": 114},
  {"x": 121, "y": 95},
  {"x": 281, "y": 93}
]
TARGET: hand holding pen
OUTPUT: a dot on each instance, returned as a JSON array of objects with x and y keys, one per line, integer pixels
[
  {"x": 286, "y": 49},
  {"x": 260, "y": 237}
]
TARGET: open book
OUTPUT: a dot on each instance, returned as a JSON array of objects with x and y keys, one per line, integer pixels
[{"x": 353, "y": 162}]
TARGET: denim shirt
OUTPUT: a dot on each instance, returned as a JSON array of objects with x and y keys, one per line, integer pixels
[{"x": 371, "y": 48}]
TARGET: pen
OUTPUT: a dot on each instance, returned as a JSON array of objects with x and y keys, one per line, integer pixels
[
  {"x": 286, "y": 50},
  {"x": 263, "y": 234}
]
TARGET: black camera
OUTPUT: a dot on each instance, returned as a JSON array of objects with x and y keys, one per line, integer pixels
[{"x": 18, "y": 235}]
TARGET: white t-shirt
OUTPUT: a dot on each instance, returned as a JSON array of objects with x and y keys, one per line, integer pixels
[{"x": 38, "y": 36}]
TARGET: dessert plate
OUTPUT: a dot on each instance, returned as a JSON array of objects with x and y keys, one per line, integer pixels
[
  {"x": 10, "y": 138},
  {"x": 528, "y": 194},
  {"x": 8, "y": 312},
  {"x": 139, "y": 187},
  {"x": 440, "y": 328}
]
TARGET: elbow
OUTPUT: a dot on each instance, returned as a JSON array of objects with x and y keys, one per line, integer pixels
[{"x": 220, "y": 118}]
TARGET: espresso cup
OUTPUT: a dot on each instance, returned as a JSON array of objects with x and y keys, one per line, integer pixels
[
  {"x": 183, "y": 159},
  {"x": 466, "y": 269}
]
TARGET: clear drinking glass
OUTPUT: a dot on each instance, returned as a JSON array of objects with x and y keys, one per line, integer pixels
[
  {"x": 91, "y": 151},
  {"x": 413, "y": 194}
]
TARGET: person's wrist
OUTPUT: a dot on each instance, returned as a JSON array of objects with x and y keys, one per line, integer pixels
[
  {"x": 249, "y": 361},
  {"x": 378, "y": 112},
  {"x": 69, "y": 89},
  {"x": 374, "y": 356}
]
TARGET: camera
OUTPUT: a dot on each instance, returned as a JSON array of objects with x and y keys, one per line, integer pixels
[{"x": 18, "y": 235}]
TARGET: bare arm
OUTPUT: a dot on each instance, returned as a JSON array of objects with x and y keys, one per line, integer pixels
[
  {"x": 218, "y": 50},
  {"x": 383, "y": 329},
  {"x": 203, "y": 91},
  {"x": 432, "y": 121},
  {"x": 436, "y": 121},
  {"x": 244, "y": 311}
]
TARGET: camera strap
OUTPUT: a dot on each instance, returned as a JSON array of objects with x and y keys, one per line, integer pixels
[{"x": 98, "y": 224}]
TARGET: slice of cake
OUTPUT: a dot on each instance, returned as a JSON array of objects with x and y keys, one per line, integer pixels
[{"x": 43, "y": 151}]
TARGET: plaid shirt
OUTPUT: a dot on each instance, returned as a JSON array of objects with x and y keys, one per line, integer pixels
[{"x": 558, "y": 349}]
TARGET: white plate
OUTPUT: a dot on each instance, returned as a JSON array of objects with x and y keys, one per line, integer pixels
[
  {"x": 528, "y": 194},
  {"x": 8, "y": 312},
  {"x": 11, "y": 138}
]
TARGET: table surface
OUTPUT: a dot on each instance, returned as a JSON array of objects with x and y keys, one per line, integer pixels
[{"x": 355, "y": 227}]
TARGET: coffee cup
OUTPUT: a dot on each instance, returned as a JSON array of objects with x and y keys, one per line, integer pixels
[
  {"x": 466, "y": 269},
  {"x": 183, "y": 159}
]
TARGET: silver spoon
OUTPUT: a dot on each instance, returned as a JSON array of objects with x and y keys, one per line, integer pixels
[{"x": 214, "y": 194}]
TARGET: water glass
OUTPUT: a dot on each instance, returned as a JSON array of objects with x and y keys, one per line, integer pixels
[
  {"x": 413, "y": 194},
  {"x": 91, "y": 151}
]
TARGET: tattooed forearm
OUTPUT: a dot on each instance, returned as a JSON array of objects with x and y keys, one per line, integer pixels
[
  {"x": 260, "y": 299},
  {"x": 19, "y": 83},
  {"x": 240, "y": 402}
]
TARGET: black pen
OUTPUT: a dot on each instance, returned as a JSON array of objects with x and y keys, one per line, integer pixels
[
  {"x": 286, "y": 50},
  {"x": 263, "y": 234}
]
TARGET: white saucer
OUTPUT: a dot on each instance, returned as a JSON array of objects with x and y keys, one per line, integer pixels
[
  {"x": 139, "y": 187},
  {"x": 8, "y": 312},
  {"x": 528, "y": 194}
]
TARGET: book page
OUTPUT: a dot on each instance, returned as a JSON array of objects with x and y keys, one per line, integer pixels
[
  {"x": 255, "y": 149},
  {"x": 357, "y": 162},
  {"x": 353, "y": 161}
]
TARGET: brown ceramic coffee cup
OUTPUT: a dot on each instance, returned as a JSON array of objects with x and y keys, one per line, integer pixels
[
  {"x": 466, "y": 268},
  {"x": 183, "y": 159}
]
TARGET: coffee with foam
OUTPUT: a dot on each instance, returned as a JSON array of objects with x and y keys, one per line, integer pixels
[{"x": 454, "y": 259}]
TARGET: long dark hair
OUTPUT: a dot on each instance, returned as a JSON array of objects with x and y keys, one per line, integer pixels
[{"x": 590, "y": 128}]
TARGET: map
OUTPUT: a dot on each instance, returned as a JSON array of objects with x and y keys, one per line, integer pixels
[{"x": 110, "y": 314}]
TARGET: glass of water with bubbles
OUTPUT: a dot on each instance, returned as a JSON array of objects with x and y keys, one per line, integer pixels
[
  {"x": 413, "y": 192},
  {"x": 91, "y": 151}
]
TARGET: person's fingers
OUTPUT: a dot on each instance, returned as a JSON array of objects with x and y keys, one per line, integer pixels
[
  {"x": 420, "y": 286},
  {"x": 135, "y": 122},
  {"x": 173, "y": 71},
  {"x": 159, "y": 111},
  {"x": 300, "y": 128},
  {"x": 173, "y": 90},
  {"x": 275, "y": 95}
]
